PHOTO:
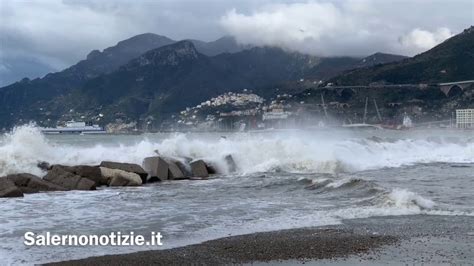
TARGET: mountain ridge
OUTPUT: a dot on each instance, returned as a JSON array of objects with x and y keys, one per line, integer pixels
[
  {"x": 451, "y": 60},
  {"x": 155, "y": 82}
]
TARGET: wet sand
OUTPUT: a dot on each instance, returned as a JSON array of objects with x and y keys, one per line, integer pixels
[{"x": 372, "y": 241}]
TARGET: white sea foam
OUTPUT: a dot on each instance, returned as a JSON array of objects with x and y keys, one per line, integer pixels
[
  {"x": 196, "y": 211},
  {"x": 397, "y": 202},
  {"x": 404, "y": 198},
  {"x": 87, "y": 218},
  {"x": 25, "y": 146}
]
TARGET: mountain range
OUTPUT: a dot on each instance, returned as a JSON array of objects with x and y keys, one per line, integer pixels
[
  {"x": 99, "y": 62},
  {"x": 151, "y": 76}
]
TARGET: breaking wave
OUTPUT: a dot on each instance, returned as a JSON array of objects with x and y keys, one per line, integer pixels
[
  {"x": 25, "y": 146},
  {"x": 268, "y": 193},
  {"x": 404, "y": 198},
  {"x": 366, "y": 198}
]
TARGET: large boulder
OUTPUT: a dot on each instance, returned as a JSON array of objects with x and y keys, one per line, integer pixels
[
  {"x": 127, "y": 167},
  {"x": 174, "y": 171},
  {"x": 185, "y": 168},
  {"x": 119, "y": 181},
  {"x": 85, "y": 184},
  {"x": 211, "y": 168},
  {"x": 199, "y": 168},
  {"x": 156, "y": 167},
  {"x": 120, "y": 178},
  {"x": 8, "y": 189},
  {"x": 57, "y": 175},
  {"x": 90, "y": 172},
  {"x": 29, "y": 183}
]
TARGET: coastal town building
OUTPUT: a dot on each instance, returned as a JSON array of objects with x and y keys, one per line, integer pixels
[
  {"x": 465, "y": 118},
  {"x": 228, "y": 111},
  {"x": 275, "y": 114}
]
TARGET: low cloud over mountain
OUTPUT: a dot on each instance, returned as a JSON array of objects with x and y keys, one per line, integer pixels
[
  {"x": 350, "y": 28},
  {"x": 58, "y": 33}
]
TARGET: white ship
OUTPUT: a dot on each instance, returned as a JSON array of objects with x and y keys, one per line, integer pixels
[{"x": 73, "y": 127}]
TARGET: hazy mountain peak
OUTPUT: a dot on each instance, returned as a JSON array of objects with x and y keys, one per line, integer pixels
[
  {"x": 93, "y": 54},
  {"x": 145, "y": 39},
  {"x": 172, "y": 54},
  {"x": 225, "y": 44},
  {"x": 113, "y": 57},
  {"x": 468, "y": 30}
]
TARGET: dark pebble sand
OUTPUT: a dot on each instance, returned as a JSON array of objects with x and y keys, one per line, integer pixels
[
  {"x": 299, "y": 244},
  {"x": 396, "y": 240}
]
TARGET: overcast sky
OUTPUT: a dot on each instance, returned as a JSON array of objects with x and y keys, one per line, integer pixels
[{"x": 53, "y": 34}]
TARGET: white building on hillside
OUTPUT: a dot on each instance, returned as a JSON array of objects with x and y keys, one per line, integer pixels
[{"x": 465, "y": 118}]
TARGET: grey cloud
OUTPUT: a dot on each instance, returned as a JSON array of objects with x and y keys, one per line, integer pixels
[
  {"x": 56, "y": 33},
  {"x": 59, "y": 33},
  {"x": 351, "y": 27}
]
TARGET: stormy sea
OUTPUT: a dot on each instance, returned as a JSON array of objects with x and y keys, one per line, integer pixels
[{"x": 284, "y": 180}]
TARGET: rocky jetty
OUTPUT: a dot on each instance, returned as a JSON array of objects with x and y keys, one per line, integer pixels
[
  {"x": 120, "y": 178},
  {"x": 29, "y": 183},
  {"x": 8, "y": 189},
  {"x": 199, "y": 168},
  {"x": 157, "y": 168},
  {"x": 127, "y": 167},
  {"x": 107, "y": 173},
  {"x": 176, "y": 170},
  {"x": 70, "y": 181},
  {"x": 90, "y": 172}
]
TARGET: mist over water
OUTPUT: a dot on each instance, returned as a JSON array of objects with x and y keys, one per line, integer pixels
[
  {"x": 284, "y": 180},
  {"x": 291, "y": 151}
]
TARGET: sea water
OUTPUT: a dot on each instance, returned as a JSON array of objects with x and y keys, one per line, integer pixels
[{"x": 283, "y": 180}]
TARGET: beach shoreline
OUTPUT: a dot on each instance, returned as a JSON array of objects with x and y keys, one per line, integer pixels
[
  {"x": 294, "y": 244},
  {"x": 396, "y": 239}
]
